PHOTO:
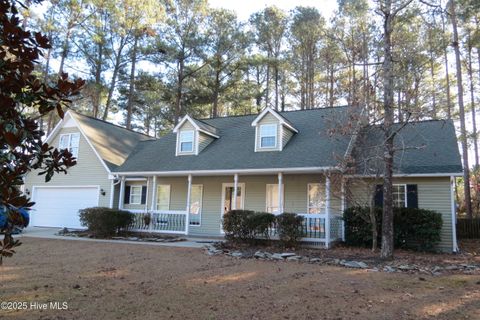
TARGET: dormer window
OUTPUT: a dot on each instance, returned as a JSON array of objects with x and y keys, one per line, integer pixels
[
  {"x": 193, "y": 136},
  {"x": 272, "y": 131},
  {"x": 71, "y": 142},
  {"x": 186, "y": 141},
  {"x": 268, "y": 136}
]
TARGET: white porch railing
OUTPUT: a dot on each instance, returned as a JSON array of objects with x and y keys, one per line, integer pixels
[{"x": 173, "y": 221}]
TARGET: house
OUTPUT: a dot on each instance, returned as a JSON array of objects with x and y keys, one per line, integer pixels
[{"x": 296, "y": 161}]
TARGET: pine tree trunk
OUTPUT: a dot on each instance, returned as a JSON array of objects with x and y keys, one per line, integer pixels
[
  {"x": 461, "y": 107},
  {"x": 472, "y": 101},
  {"x": 113, "y": 81},
  {"x": 131, "y": 90},
  {"x": 98, "y": 80},
  {"x": 447, "y": 76}
]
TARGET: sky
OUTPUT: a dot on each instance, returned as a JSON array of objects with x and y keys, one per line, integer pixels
[{"x": 244, "y": 8}]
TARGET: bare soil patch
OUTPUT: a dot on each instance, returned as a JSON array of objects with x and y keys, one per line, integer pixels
[{"x": 121, "y": 281}]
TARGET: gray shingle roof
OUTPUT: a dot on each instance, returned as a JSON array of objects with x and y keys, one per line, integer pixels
[
  {"x": 206, "y": 127},
  {"x": 424, "y": 147},
  {"x": 113, "y": 143},
  {"x": 313, "y": 146}
]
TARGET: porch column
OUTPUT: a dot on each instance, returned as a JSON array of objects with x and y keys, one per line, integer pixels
[
  {"x": 146, "y": 199},
  {"x": 154, "y": 194},
  {"x": 235, "y": 191},
  {"x": 454, "y": 214},
  {"x": 189, "y": 192},
  {"x": 121, "y": 198},
  {"x": 343, "y": 205},
  {"x": 327, "y": 211},
  {"x": 280, "y": 193},
  {"x": 112, "y": 193}
]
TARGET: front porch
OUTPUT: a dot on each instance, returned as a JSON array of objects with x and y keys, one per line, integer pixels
[{"x": 195, "y": 204}]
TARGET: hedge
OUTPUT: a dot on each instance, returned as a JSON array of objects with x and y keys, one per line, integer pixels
[
  {"x": 417, "y": 229},
  {"x": 105, "y": 222},
  {"x": 246, "y": 225}
]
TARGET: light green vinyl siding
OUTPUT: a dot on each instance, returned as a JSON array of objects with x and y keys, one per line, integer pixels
[
  {"x": 203, "y": 141},
  {"x": 433, "y": 194},
  {"x": 287, "y": 135},
  {"x": 88, "y": 170}
]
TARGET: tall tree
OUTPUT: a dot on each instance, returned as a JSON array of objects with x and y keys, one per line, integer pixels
[
  {"x": 270, "y": 26},
  {"x": 461, "y": 108}
]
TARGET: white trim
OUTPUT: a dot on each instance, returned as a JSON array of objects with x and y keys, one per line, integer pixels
[
  {"x": 201, "y": 205},
  {"x": 322, "y": 209},
  {"x": 235, "y": 190},
  {"x": 407, "y": 175},
  {"x": 190, "y": 119},
  {"x": 281, "y": 193},
  {"x": 231, "y": 171},
  {"x": 131, "y": 193},
  {"x": 136, "y": 179},
  {"x": 266, "y": 196},
  {"x": 155, "y": 206},
  {"x": 189, "y": 193},
  {"x": 453, "y": 215},
  {"x": 179, "y": 143},
  {"x": 146, "y": 195},
  {"x": 327, "y": 212},
  {"x": 59, "y": 125},
  {"x": 69, "y": 142},
  {"x": 281, "y": 138},
  {"x": 242, "y": 200},
  {"x": 404, "y": 188},
  {"x": 121, "y": 196},
  {"x": 275, "y": 146},
  {"x": 276, "y": 115},
  {"x": 112, "y": 192}
]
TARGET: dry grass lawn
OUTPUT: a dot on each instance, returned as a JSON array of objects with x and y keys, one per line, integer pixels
[{"x": 119, "y": 281}]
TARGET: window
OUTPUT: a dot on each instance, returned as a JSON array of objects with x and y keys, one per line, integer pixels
[
  {"x": 70, "y": 142},
  {"x": 186, "y": 141},
  {"x": 163, "y": 197},
  {"x": 315, "y": 198},
  {"x": 399, "y": 195},
  {"x": 268, "y": 136},
  {"x": 135, "y": 194},
  {"x": 196, "y": 204},
  {"x": 272, "y": 198}
]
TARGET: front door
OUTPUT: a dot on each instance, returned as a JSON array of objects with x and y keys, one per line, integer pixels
[{"x": 228, "y": 197}]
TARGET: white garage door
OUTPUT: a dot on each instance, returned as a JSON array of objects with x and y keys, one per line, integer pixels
[{"x": 58, "y": 206}]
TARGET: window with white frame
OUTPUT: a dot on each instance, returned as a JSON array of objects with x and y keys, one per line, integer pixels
[
  {"x": 71, "y": 142},
  {"x": 196, "y": 197},
  {"x": 163, "y": 197},
  {"x": 186, "y": 141},
  {"x": 399, "y": 195},
  {"x": 268, "y": 136},
  {"x": 272, "y": 198},
  {"x": 136, "y": 194},
  {"x": 316, "y": 198}
]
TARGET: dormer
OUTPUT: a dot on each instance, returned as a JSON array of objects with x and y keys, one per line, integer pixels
[
  {"x": 193, "y": 136},
  {"x": 272, "y": 131}
]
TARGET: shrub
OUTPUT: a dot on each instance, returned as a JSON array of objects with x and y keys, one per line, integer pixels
[
  {"x": 289, "y": 228},
  {"x": 246, "y": 225},
  {"x": 417, "y": 229},
  {"x": 104, "y": 222},
  {"x": 358, "y": 228}
]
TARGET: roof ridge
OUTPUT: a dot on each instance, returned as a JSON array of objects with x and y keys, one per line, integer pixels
[
  {"x": 110, "y": 123},
  {"x": 279, "y": 112}
]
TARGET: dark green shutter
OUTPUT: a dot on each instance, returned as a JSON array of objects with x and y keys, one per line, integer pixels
[
  {"x": 378, "y": 199},
  {"x": 144, "y": 195},
  {"x": 412, "y": 196},
  {"x": 126, "y": 196}
]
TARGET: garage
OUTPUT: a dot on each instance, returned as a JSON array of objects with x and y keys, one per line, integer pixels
[{"x": 58, "y": 206}]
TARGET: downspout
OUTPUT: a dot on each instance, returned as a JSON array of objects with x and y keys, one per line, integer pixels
[{"x": 112, "y": 189}]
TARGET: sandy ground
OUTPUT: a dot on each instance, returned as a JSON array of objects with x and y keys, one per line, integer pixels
[{"x": 121, "y": 281}]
